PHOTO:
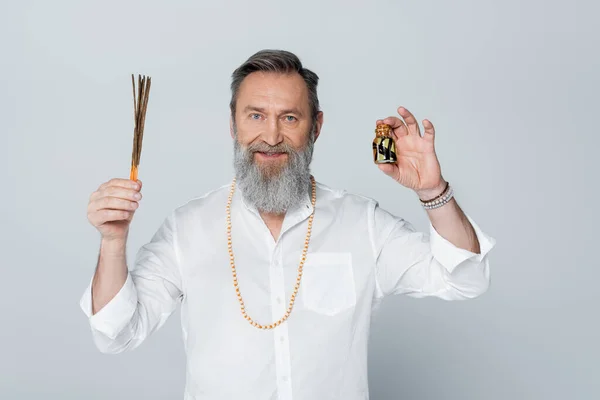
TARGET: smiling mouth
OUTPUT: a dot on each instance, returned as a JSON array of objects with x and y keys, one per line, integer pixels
[{"x": 270, "y": 155}]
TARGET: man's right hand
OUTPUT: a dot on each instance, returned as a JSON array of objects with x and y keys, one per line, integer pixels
[{"x": 112, "y": 206}]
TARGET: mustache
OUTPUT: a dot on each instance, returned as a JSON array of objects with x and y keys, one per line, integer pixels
[{"x": 263, "y": 147}]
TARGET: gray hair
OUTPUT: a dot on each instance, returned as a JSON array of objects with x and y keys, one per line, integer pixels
[{"x": 279, "y": 61}]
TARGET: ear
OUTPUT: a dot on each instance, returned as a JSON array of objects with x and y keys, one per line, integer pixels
[
  {"x": 231, "y": 127},
  {"x": 319, "y": 125}
]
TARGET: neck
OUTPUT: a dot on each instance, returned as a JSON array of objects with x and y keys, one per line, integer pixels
[
  {"x": 274, "y": 221},
  {"x": 272, "y": 216}
]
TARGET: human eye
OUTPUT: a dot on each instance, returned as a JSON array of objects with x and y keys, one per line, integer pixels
[
  {"x": 255, "y": 116},
  {"x": 290, "y": 118}
]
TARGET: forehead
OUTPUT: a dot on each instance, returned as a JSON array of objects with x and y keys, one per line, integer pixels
[{"x": 275, "y": 90}]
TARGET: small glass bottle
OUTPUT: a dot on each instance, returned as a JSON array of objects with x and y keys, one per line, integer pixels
[{"x": 384, "y": 147}]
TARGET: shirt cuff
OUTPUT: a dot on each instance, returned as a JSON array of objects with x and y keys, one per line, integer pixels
[
  {"x": 451, "y": 256},
  {"x": 114, "y": 316}
]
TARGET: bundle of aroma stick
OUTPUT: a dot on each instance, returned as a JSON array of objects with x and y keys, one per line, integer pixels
[{"x": 140, "y": 103}]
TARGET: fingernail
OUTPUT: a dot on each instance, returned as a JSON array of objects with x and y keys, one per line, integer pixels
[{"x": 137, "y": 196}]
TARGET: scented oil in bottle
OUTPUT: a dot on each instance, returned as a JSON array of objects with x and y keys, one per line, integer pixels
[{"x": 384, "y": 148}]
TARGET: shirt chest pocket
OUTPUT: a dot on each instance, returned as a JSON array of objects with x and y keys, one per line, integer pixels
[{"x": 327, "y": 285}]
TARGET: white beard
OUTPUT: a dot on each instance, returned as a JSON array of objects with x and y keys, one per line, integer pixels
[{"x": 269, "y": 190}]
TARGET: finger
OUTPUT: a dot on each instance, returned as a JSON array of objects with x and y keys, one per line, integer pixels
[
  {"x": 126, "y": 183},
  {"x": 103, "y": 216},
  {"x": 117, "y": 191},
  {"x": 429, "y": 129},
  {"x": 398, "y": 126},
  {"x": 94, "y": 195},
  {"x": 389, "y": 169},
  {"x": 394, "y": 122},
  {"x": 121, "y": 192},
  {"x": 411, "y": 121},
  {"x": 112, "y": 203}
]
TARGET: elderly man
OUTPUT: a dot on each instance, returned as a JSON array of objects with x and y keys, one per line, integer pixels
[{"x": 277, "y": 274}]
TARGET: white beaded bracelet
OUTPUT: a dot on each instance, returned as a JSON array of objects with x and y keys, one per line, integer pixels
[{"x": 440, "y": 201}]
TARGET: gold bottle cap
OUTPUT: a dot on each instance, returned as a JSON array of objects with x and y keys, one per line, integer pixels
[{"x": 383, "y": 130}]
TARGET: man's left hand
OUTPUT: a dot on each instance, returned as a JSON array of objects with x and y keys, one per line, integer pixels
[{"x": 417, "y": 167}]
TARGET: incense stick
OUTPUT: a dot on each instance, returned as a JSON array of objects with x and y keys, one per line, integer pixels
[{"x": 140, "y": 104}]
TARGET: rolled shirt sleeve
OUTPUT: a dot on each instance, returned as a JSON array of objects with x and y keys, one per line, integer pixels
[
  {"x": 148, "y": 297},
  {"x": 421, "y": 264}
]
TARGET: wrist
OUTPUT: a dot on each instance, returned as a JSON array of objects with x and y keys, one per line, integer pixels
[
  {"x": 432, "y": 193},
  {"x": 113, "y": 247}
]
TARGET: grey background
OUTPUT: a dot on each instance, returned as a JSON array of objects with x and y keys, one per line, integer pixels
[{"x": 512, "y": 87}]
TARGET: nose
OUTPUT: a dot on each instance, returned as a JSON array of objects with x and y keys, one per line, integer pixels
[{"x": 272, "y": 134}]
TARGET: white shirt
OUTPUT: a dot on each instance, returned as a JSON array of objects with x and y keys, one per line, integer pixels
[{"x": 358, "y": 254}]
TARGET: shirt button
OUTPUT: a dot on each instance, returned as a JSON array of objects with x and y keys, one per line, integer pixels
[
  {"x": 279, "y": 300},
  {"x": 282, "y": 339},
  {"x": 285, "y": 378}
]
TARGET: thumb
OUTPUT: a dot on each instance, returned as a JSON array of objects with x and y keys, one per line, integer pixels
[{"x": 388, "y": 169}]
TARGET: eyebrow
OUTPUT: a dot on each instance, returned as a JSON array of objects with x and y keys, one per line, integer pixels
[{"x": 262, "y": 110}]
